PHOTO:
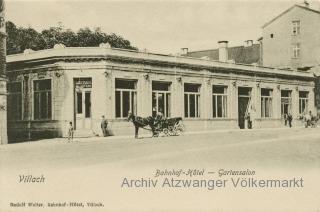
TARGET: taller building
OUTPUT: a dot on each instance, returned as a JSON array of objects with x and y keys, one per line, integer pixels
[
  {"x": 3, "y": 97},
  {"x": 291, "y": 39}
]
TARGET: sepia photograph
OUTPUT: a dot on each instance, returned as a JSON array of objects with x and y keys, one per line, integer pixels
[{"x": 160, "y": 105}]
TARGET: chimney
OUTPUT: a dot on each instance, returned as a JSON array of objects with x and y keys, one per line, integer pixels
[
  {"x": 184, "y": 51},
  {"x": 248, "y": 43},
  {"x": 223, "y": 51},
  {"x": 306, "y": 4}
]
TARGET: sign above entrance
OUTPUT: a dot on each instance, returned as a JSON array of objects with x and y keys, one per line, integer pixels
[{"x": 83, "y": 83}]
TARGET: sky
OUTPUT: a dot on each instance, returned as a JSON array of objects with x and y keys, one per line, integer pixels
[{"x": 158, "y": 26}]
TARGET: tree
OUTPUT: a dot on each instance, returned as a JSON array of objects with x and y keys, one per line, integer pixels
[{"x": 20, "y": 38}]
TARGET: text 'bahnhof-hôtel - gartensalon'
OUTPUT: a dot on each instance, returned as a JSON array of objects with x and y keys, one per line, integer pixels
[{"x": 48, "y": 89}]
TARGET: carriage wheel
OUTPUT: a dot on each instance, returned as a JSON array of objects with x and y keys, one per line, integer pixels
[
  {"x": 166, "y": 131},
  {"x": 171, "y": 131}
]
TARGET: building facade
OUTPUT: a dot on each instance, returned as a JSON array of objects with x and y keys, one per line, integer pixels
[
  {"x": 291, "y": 40},
  {"x": 50, "y": 88}
]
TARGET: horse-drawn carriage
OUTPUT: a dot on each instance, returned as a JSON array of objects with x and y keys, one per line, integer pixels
[{"x": 158, "y": 125}]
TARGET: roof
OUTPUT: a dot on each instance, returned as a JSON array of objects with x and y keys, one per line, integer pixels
[
  {"x": 136, "y": 56},
  {"x": 240, "y": 54},
  {"x": 288, "y": 10}
]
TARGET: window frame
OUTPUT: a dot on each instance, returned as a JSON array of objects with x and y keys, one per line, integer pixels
[
  {"x": 51, "y": 99},
  {"x": 197, "y": 99},
  {"x": 266, "y": 99},
  {"x": 167, "y": 95},
  {"x": 306, "y": 103},
  {"x": 21, "y": 109},
  {"x": 224, "y": 102},
  {"x": 296, "y": 50},
  {"x": 133, "y": 103},
  {"x": 296, "y": 27},
  {"x": 283, "y": 102}
]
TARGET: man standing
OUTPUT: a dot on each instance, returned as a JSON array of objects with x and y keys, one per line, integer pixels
[
  {"x": 289, "y": 117},
  {"x": 104, "y": 125}
]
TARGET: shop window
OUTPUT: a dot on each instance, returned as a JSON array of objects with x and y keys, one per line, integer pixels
[
  {"x": 266, "y": 103},
  {"x": 126, "y": 97},
  {"x": 303, "y": 102},
  {"x": 42, "y": 101},
  {"x": 191, "y": 100},
  {"x": 219, "y": 101},
  {"x": 161, "y": 99},
  {"x": 14, "y": 101}
]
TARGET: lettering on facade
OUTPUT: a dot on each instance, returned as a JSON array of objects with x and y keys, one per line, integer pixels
[
  {"x": 84, "y": 83},
  {"x": 41, "y": 75}
]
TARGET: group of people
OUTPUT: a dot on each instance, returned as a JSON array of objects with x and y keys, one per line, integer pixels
[
  {"x": 104, "y": 128},
  {"x": 309, "y": 119}
]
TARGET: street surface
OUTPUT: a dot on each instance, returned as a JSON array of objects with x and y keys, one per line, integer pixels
[
  {"x": 267, "y": 148},
  {"x": 93, "y": 169}
]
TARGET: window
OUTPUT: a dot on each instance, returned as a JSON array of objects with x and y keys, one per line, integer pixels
[
  {"x": 126, "y": 97},
  {"x": 295, "y": 27},
  {"x": 191, "y": 100},
  {"x": 303, "y": 102},
  {"x": 271, "y": 35},
  {"x": 161, "y": 102},
  {"x": 219, "y": 101},
  {"x": 42, "y": 99},
  {"x": 296, "y": 50},
  {"x": 15, "y": 101},
  {"x": 266, "y": 103},
  {"x": 285, "y": 102}
]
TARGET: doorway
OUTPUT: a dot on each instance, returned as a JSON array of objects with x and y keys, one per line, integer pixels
[
  {"x": 244, "y": 101},
  {"x": 83, "y": 103}
]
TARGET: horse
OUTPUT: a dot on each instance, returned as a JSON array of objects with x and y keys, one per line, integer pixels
[{"x": 140, "y": 122}]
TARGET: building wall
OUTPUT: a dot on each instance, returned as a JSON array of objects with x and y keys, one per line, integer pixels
[
  {"x": 104, "y": 74},
  {"x": 277, "y": 51}
]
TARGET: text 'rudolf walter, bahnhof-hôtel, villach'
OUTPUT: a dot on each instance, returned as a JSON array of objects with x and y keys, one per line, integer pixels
[{"x": 209, "y": 89}]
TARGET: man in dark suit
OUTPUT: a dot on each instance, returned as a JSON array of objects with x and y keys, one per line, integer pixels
[{"x": 104, "y": 125}]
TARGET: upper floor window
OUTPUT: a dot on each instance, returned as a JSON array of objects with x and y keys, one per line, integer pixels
[
  {"x": 295, "y": 27},
  {"x": 219, "y": 101},
  {"x": 296, "y": 50},
  {"x": 42, "y": 102},
  {"x": 191, "y": 100},
  {"x": 126, "y": 97},
  {"x": 15, "y": 101}
]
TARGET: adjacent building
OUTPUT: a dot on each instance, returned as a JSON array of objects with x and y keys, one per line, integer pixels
[
  {"x": 48, "y": 89},
  {"x": 291, "y": 39},
  {"x": 249, "y": 53}
]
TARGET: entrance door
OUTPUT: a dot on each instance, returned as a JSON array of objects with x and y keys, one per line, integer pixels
[
  {"x": 83, "y": 104},
  {"x": 244, "y": 97},
  {"x": 83, "y": 109}
]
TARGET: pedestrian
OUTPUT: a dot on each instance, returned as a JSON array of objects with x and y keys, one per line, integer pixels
[
  {"x": 307, "y": 119},
  {"x": 70, "y": 132},
  {"x": 289, "y": 117},
  {"x": 285, "y": 119},
  {"x": 104, "y": 125}
]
